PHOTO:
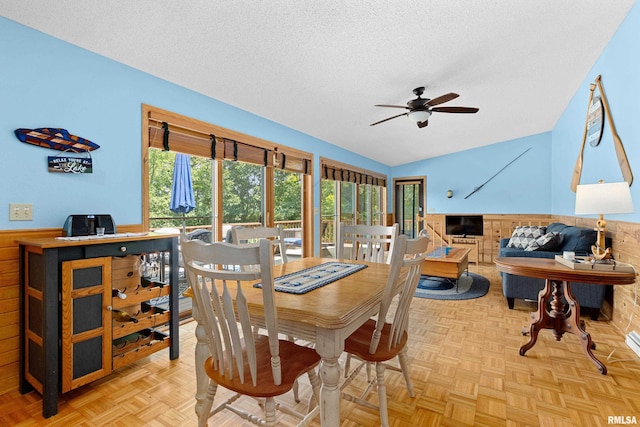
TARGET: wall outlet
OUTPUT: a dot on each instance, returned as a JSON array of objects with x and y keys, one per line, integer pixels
[{"x": 20, "y": 212}]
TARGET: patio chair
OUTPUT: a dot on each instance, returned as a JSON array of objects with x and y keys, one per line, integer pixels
[
  {"x": 246, "y": 235},
  {"x": 260, "y": 366},
  {"x": 373, "y": 243},
  {"x": 378, "y": 341}
]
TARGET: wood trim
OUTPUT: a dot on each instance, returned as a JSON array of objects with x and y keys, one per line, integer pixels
[{"x": 307, "y": 217}]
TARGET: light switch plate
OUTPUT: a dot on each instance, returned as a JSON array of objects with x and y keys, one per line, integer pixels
[{"x": 20, "y": 212}]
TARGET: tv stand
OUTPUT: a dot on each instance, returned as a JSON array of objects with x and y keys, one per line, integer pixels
[{"x": 471, "y": 243}]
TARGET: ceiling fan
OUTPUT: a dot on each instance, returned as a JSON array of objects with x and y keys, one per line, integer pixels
[{"x": 420, "y": 109}]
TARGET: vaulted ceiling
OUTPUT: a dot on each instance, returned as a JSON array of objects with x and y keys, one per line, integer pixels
[{"x": 320, "y": 66}]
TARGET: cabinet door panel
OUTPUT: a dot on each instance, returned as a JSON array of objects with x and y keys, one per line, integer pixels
[{"x": 86, "y": 323}]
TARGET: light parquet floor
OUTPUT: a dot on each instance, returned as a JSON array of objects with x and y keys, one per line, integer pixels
[{"x": 465, "y": 367}]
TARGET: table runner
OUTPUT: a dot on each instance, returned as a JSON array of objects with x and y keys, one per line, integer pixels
[{"x": 311, "y": 278}]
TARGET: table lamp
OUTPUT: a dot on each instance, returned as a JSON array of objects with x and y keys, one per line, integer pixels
[{"x": 600, "y": 199}]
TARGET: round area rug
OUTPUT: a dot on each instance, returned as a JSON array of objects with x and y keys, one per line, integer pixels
[{"x": 469, "y": 287}]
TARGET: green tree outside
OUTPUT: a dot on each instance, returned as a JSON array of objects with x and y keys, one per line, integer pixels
[{"x": 242, "y": 185}]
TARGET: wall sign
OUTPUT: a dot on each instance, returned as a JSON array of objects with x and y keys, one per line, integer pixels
[{"x": 66, "y": 164}]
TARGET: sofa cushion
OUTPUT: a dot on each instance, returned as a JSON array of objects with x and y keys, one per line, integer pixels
[
  {"x": 517, "y": 252},
  {"x": 556, "y": 227},
  {"x": 523, "y": 235},
  {"x": 576, "y": 239},
  {"x": 549, "y": 242}
]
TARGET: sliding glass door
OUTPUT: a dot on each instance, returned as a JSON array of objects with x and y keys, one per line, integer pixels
[{"x": 409, "y": 197}]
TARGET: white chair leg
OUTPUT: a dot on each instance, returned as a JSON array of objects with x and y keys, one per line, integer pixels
[
  {"x": 296, "y": 387},
  {"x": 270, "y": 412},
  {"x": 382, "y": 395},
  {"x": 347, "y": 365},
  {"x": 314, "y": 380},
  {"x": 404, "y": 365},
  {"x": 205, "y": 409}
]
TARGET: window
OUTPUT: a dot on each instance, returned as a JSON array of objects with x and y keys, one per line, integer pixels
[
  {"x": 236, "y": 177},
  {"x": 350, "y": 195}
]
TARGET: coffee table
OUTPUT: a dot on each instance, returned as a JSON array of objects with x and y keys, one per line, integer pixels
[{"x": 446, "y": 262}]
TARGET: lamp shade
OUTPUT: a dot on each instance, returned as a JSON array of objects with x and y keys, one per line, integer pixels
[
  {"x": 419, "y": 115},
  {"x": 603, "y": 198}
]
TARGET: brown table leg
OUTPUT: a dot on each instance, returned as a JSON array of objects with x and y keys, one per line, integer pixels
[
  {"x": 557, "y": 320},
  {"x": 574, "y": 325},
  {"x": 540, "y": 319}
]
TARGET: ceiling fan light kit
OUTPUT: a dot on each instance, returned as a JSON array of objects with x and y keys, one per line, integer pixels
[
  {"x": 419, "y": 115},
  {"x": 420, "y": 109}
]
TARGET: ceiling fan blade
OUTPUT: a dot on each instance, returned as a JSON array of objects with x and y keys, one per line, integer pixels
[
  {"x": 389, "y": 118},
  {"x": 423, "y": 124},
  {"x": 391, "y": 106},
  {"x": 442, "y": 99},
  {"x": 455, "y": 109}
]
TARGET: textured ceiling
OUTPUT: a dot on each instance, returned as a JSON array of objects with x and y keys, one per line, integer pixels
[{"x": 320, "y": 66}]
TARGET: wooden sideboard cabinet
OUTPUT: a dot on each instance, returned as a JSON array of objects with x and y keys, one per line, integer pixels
[{"x": 73, "y": 330}]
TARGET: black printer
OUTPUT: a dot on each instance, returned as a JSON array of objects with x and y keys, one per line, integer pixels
[{"x": 85, "y": 225}]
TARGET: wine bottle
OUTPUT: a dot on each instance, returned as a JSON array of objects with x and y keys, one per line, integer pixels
[
  {"x": 147, "y": 308},
  {"x": 122, "y": 316},
  {"x": 118, "y": 293},
  {"x": 146, "y": 282}
]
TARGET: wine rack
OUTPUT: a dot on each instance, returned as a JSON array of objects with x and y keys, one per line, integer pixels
[
  {"x": 142, "y": 321},
  {"x": 72, "y": 290}
]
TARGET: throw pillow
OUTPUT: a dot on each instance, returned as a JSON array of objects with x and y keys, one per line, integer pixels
[
  {"x": 549, "y": 242},
  {"x": 523, "y": 235}
]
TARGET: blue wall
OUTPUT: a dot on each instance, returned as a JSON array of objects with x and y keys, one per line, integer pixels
[
  {"x": 45, "y": 82},
  {"x": 619, "y": 66},
  {"x": 522, "y": 187}
]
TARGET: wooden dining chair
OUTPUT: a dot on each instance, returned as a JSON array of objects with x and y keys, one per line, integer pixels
[
  {"x": 246, "y": 235},
  {"x": 241, "y": 235},
  {"x": 260, "y": 366},
  {"x": 373, "y": 243},
  {"x": 378, "y": 340}
]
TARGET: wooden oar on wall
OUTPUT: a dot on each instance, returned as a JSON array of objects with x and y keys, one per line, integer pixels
[
  {"x": 617, "y": 142},
  {"x": 577, "y": 170}
]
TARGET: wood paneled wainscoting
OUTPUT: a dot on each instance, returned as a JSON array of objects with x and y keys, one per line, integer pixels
[
  {"x": 620, "y": 304},
  {"x": 496, "y": 226}
]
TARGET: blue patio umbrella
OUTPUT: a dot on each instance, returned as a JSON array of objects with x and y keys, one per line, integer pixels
[{"x": 182, "y": 199}]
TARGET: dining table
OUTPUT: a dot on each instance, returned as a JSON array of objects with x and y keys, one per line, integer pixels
[{"x": 324, "y": 316}]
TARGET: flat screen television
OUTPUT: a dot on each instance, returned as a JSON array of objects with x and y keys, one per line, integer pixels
[{"x": 464, "y": 225}]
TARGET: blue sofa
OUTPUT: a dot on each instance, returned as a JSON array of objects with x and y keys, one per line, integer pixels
[{"x": 576, "y": 239}]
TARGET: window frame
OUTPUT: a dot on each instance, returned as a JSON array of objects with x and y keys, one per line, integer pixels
[{"x": 194, "y": 137}]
